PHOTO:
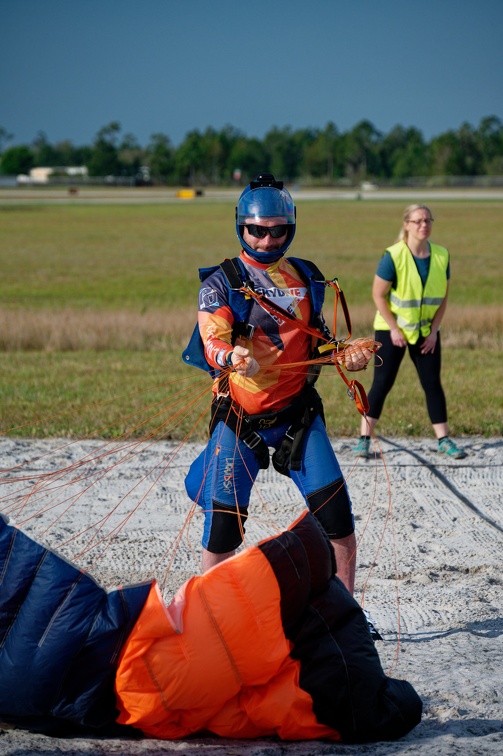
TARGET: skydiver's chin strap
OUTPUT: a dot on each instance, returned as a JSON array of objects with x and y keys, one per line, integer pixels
[{"x": 264, "y": 257}]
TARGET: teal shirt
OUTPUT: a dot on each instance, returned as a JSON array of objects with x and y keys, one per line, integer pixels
[{"x": 386, "y": 268}]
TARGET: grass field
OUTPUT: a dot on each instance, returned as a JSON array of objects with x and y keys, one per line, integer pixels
[{"x": 98, "y": 301}]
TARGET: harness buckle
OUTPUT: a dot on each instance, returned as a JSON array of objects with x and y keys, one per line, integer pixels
[
  {"x": 290, "y": 435},
  {"x": 251, "y": 439}
]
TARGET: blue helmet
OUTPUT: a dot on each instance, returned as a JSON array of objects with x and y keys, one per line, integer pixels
[{"x": 265, "y": 198}]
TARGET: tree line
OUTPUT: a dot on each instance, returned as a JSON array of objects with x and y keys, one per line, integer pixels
[{"x": 321, "y": 156}]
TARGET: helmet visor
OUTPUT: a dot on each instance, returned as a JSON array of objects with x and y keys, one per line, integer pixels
[{"x": 264, "y": 203}]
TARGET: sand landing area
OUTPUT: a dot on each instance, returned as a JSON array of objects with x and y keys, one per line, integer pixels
[{"x": 430, "y": 533}]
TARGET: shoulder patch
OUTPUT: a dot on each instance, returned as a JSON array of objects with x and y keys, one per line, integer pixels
[{"x": 208, "y": 298}]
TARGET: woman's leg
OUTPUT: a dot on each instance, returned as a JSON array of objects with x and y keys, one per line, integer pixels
[
  {"x": 385, "y": 373},
  {"x": 428, "y": 367}
]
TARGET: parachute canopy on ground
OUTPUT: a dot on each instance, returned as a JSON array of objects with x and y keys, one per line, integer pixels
[{"x": 267, "y": 643}]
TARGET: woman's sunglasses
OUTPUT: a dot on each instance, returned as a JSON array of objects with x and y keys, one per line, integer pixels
[{"x": 260, "y": 232}]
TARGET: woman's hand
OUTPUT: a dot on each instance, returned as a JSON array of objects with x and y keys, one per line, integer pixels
[
  {"x": 380, "y": 291},
  {"x": 397, "y": 337},
  {"x": 430, "y": 342}
]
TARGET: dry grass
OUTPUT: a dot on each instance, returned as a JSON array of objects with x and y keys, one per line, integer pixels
[
  {"x": 473, "y": 327},
  {"x": 70, "y": 330}
]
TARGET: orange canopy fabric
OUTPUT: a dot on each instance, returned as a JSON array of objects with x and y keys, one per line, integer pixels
[
  {"x": 216, "y": 659},
  {"x": 267, "y": 643}
]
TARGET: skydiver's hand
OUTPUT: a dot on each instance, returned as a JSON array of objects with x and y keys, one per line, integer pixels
[
  {"x": 242, "y": 362},
  {"x": 356, "y": 356}
]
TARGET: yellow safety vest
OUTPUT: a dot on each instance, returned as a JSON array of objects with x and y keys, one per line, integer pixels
[{"x": 414, "y": 306}]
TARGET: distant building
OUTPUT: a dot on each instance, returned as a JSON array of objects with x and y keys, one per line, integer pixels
[{"x": 41, "y": 175}]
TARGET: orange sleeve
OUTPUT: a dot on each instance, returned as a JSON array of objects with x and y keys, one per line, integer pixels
[{"x": 216, "y": 332}]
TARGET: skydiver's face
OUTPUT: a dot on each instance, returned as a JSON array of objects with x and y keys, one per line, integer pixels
[{"x": 268, "y": 243}]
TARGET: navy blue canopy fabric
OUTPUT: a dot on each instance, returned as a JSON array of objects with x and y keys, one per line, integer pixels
[{"x": 60, "y": 637}]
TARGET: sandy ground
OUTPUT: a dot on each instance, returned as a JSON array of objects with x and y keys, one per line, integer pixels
[{"x": 429, "y": 567}]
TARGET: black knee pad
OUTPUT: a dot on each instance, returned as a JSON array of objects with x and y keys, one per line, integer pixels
[
  {"x": 227, "y": 528},
  {"x": 332, "y": 508}
]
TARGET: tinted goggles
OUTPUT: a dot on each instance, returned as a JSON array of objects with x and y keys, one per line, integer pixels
[{"x": 260, "y": 232}]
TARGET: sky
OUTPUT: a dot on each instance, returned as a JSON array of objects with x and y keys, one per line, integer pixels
[{"x": 70, "y": 67}]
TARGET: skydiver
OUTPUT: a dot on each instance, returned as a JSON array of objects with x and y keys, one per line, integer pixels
[{"x": 262, "y": 403}]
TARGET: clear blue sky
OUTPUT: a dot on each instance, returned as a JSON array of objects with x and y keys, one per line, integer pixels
[{"x": 69, "y": 67}]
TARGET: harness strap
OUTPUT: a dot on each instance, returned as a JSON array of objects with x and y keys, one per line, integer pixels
[
  {"x": 235, "y": 274},
  {"x": 222, "y": 410},
  {"x": 288, "y": 456},
  {"x": 299, "y": 414},
  {"x": 236, "y": 279}
]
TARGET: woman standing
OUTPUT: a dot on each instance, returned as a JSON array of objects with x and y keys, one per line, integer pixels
[{"x": 410, "y": 292}]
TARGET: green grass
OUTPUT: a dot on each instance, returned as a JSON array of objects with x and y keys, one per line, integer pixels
[
  {"x": 105, "y": 257},
  {"x": 80, "y": 266},
  {"x": 106, "y": 394},
  {"x": 144, "y": 256},
  {"x": 111, "y": 393}
]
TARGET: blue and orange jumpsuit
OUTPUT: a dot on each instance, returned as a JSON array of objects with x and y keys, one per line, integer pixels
[{"x": 221, "y": 478}]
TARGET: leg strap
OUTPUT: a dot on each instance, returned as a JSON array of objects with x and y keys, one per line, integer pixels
[
  {"x": 300, "y": 414},
  {"x": 288, "y": 456},
  {"x": 222, "y": 411}
]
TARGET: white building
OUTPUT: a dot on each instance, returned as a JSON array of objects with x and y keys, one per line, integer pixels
[{"x": 40, "y": 175}]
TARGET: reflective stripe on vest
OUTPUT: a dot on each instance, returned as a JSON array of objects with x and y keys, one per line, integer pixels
[{"x": 414, "y": 306}]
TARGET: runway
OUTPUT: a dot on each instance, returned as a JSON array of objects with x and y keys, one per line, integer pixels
[{"x": 149, "y": 195}]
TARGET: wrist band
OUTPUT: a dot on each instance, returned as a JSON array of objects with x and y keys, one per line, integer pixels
[{"x": 228, "y": 359}]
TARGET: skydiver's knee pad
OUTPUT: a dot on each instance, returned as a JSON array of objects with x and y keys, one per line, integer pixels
[
  {"x": 223, "y": 528},
  {"x": 331, "y": 506}
]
